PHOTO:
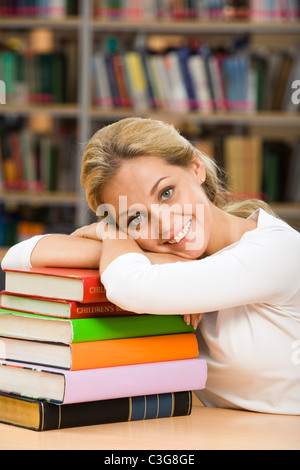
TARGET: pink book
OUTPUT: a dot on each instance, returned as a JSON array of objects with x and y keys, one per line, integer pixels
[{"x": 61, "y": 386}]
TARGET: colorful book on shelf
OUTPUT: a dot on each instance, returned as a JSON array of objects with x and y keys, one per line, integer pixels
[
  {"x": 81, "y": 285},
  {"x": 34, "y": 162},
  {"x": 102, "y": 90},
  {"x": 243, "y": 163},
  {"x": 61, "y": 386},
  {"x": 38, "y": 415},
  {"x": 120, "y": 74},
  {"x": 292, "y": 189},
  {"x": 136, "y": 80},
  {"x": 39, "y": 8},
  {"x": 44, "y": 328},
  {"x": 100, "y": 354},
  {"x": 183, "y": 79},
  {"x": 59, "y": 308},
  {"x": 201, "y": 9}
]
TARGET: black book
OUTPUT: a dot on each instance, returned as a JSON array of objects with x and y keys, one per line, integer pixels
[{"x": 39, "y": 415}]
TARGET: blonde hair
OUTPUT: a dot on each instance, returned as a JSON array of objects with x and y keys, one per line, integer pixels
[{"x": 135, "y": 137}]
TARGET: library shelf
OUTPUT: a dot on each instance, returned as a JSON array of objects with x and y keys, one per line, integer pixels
[
  {"x": 13, "y": 22},
  {"x": 164, "y": 26},
  {"x": 44, "y": 198},
  {"x": 54, "y": 110},
  {"x": 195, "y": 26},
  {"x": 287, "y": 210},
  {"x": 267, "y": 118}
]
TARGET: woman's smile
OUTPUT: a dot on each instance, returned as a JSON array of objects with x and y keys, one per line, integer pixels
[{"x": 180, "y": 238}]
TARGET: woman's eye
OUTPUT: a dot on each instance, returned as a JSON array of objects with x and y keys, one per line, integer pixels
[
  {"x": 166, "y": 193},
  {"x": 135, "y": 221}
]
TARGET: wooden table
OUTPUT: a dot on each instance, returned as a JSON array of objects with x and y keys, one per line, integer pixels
[{"x": 205, "y": 429}]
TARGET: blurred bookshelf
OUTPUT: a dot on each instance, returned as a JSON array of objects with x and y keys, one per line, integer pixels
[{"x": 85, "y": 32}]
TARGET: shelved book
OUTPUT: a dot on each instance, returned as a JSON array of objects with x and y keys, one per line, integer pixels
[
  {"x": 189, "y": 79},
  {"x": 197, "y": 9},
  {"x": 35, "y": 162},
  {"x": 38, "y": 78},
  {"x": 38, "y": 415},
  {"x": 39, "y": 8}
]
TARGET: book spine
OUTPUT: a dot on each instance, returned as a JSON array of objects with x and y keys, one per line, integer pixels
[
  {"x": 97, "y": 309},
  {"x": 43, "y": 416},
  {"x": 135, "y": 380},
  {"x": 99, "y": 329},
  {"x": 187, "y": 80},
  {"x": 104, "y": 383},
  {"x": 162, "y": 9},
  {"x": 93, "y": 291},
  {"x": 121, "y": 352}
]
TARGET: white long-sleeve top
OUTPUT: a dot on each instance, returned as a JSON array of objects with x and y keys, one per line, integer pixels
[{"x": 250, "y": 294}]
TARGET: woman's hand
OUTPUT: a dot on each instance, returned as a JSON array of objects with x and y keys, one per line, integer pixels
[
  {"x": 88, "y": 231},
  {"x": 100, "y": 231},
  {"x": 193, "y": 319}
]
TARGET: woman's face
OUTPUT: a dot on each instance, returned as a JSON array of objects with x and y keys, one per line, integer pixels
[{"x": 163, "y": 207}]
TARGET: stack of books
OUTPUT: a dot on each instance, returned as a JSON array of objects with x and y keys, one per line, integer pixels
[{"x": 68, "y": 357}]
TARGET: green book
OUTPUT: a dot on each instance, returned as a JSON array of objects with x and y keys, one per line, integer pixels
[
  {"x": 44, "y": 328},
  {"x": 8, "y": 68}
]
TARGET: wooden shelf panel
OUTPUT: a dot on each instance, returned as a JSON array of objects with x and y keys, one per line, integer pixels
[
  {"x": 156, "y": 26},
  {"x": 255, "y": 118},
  {"x": 196, "y": 26},
  {"x": 278, "y": 118},
  {"x": 58, "y": 110},
  {"x": 39, "y": 198},
  {"x": 287, "y": 210},
  {"x": 3, "y": 252},
  {"x": 13, "y": 22}
]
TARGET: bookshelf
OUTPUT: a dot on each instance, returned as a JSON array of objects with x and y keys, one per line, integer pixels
[
  {"x": 196, "y": 26},
  {"x": 86, "y": 28}
]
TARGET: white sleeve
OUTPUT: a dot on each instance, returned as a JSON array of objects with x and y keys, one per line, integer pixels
[
  {"x": 254, "y": 271},
  {"x": 18, "y": 256}
]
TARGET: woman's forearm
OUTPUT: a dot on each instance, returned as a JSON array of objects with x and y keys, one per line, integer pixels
[{"x": 66, "y": 251}]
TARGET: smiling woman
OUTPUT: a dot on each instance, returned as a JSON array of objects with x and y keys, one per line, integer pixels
[
  {"x": 176, "y": 244},
  {"x": 130, "y": 138}
]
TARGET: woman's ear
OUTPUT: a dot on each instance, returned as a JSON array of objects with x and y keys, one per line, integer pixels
[{"x": 198, "y": 169}]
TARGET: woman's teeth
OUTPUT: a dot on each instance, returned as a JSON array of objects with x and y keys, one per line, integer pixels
[{"x": 182, "y": 234}]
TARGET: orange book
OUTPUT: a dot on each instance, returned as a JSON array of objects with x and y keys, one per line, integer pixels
[{"x": 98, "y": 354}]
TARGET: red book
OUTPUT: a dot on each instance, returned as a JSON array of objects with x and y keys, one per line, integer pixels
[
  {"x": 59, "y": 308},
  {"x": 79, "y": 285}
]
